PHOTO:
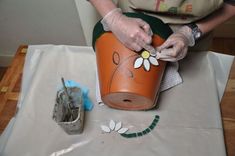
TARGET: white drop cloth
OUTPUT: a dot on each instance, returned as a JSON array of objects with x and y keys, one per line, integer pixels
[{"x": 189, "y": 125}]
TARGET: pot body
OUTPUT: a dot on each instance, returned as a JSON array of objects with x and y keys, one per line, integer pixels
[{"x": 123, "y": 86}]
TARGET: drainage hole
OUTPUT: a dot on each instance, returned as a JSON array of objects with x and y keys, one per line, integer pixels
[{"x": 126, "y": 100}]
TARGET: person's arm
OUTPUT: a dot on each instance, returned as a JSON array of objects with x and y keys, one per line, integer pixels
[
  {"x": 134, "y": 33},
  {"x": 220, "y": 16},
  {"x": 176, "y": 46},
  {"x": 103, "y": 6}
]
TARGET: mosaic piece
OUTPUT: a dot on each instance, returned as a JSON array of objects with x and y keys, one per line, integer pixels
[
  {"x": 122, "y": 131},
  {"x": 114, "y": 127},
  {"x": 146, "y": 59},
  {"x": 144, "y": 132}
]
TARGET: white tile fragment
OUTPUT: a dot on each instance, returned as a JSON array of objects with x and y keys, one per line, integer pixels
[
  {"x": 105, "y": 128},
  {"x": 111, "y": 125},
  {"x": 118, "y": 126},
  {"x": 122, "y": 130}
]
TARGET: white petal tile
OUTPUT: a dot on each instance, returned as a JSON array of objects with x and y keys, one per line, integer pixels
[
  {"x": 118, "y": 126},
  {"x": 138, "y": 62},
  {"x": 146, "y": 65},
  {"x": 153, "y": 61},
  {"x": 105, "y": 128},
  {"x": 123, "y": 130},
  {"x": 111, "y": 125}
]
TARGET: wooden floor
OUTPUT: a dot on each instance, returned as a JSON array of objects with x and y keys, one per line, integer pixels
[
  {"x": 2, "y": 72},
  {"x": 223, "y": 45},
  {"x": 227, "y": 46}
]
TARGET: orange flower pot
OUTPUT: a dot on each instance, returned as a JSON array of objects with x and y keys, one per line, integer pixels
[{"x": 129, "y": 80}]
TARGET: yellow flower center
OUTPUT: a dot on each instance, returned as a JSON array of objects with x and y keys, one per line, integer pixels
[{"x": 145, "y": 54}]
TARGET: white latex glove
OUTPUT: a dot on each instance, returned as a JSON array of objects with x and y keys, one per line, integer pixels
[
  {"x": 176, "y": 46},
  {"x": 134, "y": 33}
]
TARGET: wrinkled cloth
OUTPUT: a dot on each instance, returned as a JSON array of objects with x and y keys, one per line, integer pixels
[
  {"x": 171, "y": 76},
  {"x": 190, "y": 121}
]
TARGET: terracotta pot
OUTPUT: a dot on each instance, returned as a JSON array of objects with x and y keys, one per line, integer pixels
[{"x": 123, "y": 84}]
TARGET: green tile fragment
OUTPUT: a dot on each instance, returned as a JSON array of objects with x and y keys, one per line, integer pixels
[
  {"x": 155, "y": 120},
  {"x": 146, "y": 131},
  {"x": 139, "y": 134},
  {"x": 124, "y": 135},
  {"x": 133, "y": 135},
  {"x": 156, "y": 116},
  {"x": 154, "y": 124},
  {"x": 151, "y": 127}
]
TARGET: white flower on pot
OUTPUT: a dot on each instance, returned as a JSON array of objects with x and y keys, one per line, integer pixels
[{"x": 146, "y": 59}]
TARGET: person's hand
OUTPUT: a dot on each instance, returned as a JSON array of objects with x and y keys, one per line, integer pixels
[
  {"x": 176, "y": 46},
  {"x": 134, "y": 33}
]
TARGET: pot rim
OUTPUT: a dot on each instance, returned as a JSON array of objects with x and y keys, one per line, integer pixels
[{"x": 157, "y": 26}]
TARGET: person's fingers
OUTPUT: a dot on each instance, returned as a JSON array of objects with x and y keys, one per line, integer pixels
[
  {"x": 139, "y": 34},
  {"x": 162, "y": 57},
  {"x": 179, "y": 50},
  {"x": 182, "y": 54},
  {"x": 174, "y": 51},
  {"x": 134, "y": 46},
  {"x": 167, "y": 44},
  {"x": 145, "y": 37},
  {"x": 145, "y": 31},
  {"x": 165, "y": 55},
  {"x": 170, "y": 59},
  {"x": 172, "y": 48},
  {"x": 167, "y": 52},
  {"x": 150, "y": 49},
  {"x": 146, "y": 27},
  {"x": 147, "y": 47},
  {"x": 168, "y": 55},
  {"x": 150, "y": 32}
]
